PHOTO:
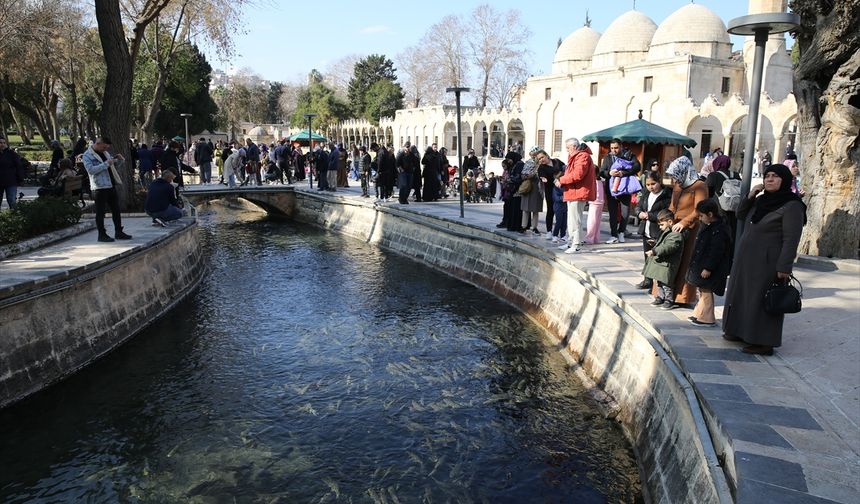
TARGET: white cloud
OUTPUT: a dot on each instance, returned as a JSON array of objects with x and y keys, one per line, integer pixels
[{"x": 375, "y": 29}]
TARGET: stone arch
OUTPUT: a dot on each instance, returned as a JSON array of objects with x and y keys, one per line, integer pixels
[
  {"x": 788, "y": 138},
  {"x": 737, "y": 141},
  {"x": 707, "y": 131},
  {"x": 449, "y": 136},
  {"x": 497, "y": 139},
  {"x": 516, "y": 135},
  {"x": 480, "y": 138}
]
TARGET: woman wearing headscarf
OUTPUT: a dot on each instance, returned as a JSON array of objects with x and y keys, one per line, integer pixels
[
  {"x": 774, "y": 218},
  {"x": 715, "y": 180},
  {"x": 687, "y": 192},
  {"x": 531, "y": 203}
]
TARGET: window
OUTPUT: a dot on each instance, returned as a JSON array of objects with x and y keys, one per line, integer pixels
[
  {"x": 469, "y": 143},
  {"x": 556, "y": 141},
  {"x": 706, "y": 143},
  {"x": 726, "y": 85},
  {"x": 648, "y": 84},
  {"x": 593, "y": 90},
  {"x": 453, "y": 143},
  {"x": 243, "y": 131},
  {"x": 426, "y": 144},
  {"x": 436, "y": 140},
  {"x": 547, "y": 94},
  {"x": 541, "y": 140}
]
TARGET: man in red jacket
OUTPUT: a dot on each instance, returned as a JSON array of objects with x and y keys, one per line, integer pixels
[{"x": 578, "y": 186}]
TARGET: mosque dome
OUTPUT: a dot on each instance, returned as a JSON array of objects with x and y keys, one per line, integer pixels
[
  {"x": 626, "y": 40},
  {"x": 578, "y": 46},
  {"x": 257, "y": 131},
  {"x": 692, "y": 29}
]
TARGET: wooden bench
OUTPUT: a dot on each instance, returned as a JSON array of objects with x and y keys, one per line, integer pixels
[{"x": 72, "y": 189}]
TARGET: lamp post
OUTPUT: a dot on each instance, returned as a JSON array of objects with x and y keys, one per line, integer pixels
[
  {"x": 310, "y": 118},
  {"x": 760, "y": 26},
  {"x": 457, "y": 91},
  {"x": 187, "y": 145}
]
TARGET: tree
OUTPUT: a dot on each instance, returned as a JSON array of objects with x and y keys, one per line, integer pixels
[
  {"x": 827, "y": 90},
  {"x": 367, "y": 72},
  {"x": 273, "y": 99},
  {"x": 338, "y": 74},
  {"x": 383, "y": 99},
  {"x": 187, "y": 90},
  {"x": 321, "y": 100},
  {"x": 421, "y": 83},
  {"x": 120, "y": 55},
  {"x": 446, "y": 51},
  {"x": 497, "y": 44}
]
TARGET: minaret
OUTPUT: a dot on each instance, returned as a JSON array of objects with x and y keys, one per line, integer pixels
[{"x": 777, "y": 81}]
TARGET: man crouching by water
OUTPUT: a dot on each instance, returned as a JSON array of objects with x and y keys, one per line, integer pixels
[{"x": 161, "y": 202}]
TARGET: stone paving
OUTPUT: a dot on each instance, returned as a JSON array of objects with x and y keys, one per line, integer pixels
[{"x": 791, "y": 419}]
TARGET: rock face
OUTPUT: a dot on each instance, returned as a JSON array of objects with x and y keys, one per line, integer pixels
[{"x": 827, "y": 89}]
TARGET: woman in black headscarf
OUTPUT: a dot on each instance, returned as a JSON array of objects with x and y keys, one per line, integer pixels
[{"x": 766, "y": 252}]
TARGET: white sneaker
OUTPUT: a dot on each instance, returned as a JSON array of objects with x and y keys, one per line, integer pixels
[
  {"x": 563, "y": 247},
  {"x": 564, "y": 238},
  {"x": 160, "y": 222},
  {"x": 554, "y": 239},
  {"x": 621, "y": 238},
  {"x": 572, "y": 249},
  {"x": 549, "y": 235},
  {"x": 612, "y": 240}
]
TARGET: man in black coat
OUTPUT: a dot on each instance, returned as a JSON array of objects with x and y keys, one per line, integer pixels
[
  {"x": 11, "y": 173},
  {"x": 203, "y": 155},
  {"x": 405, "y": 170},
  {"x": 617, "y": 229}
]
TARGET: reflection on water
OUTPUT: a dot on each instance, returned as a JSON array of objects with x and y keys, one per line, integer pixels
[{"x": 310, "y": 367}]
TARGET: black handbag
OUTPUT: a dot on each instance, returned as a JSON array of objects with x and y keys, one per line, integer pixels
[{"x": 783, "y": 297}]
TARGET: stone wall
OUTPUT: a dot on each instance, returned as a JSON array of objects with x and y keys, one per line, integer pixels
[
  {"x": 51, "y": 329},
  {"x": 655, "y": 403}
]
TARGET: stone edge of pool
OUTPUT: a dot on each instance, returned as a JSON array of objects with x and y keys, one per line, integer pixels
[
  {"x": 52, "y": 329},
  {"x": 619, "y": 349}
]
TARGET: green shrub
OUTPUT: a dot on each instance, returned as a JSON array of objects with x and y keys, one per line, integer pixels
[
  {"x": 36, "y": 155},
  {"x": 32, "y": 218}
]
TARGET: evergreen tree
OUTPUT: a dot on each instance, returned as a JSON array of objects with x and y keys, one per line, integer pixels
[{"x": 367, "y": 72}]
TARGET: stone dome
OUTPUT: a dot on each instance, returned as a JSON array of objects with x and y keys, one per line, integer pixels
[
  {"x": 257, "y": 131},
  {"x": 578, "y": 46},
  {"x": 626, "y": 40},
  {"x": 692, "y": 29}
]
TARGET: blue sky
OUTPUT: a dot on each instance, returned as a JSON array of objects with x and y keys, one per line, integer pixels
[{"x": 284, "y": 40}]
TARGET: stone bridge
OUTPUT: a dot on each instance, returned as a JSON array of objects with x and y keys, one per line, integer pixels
[{"x": 277, "y": 200}]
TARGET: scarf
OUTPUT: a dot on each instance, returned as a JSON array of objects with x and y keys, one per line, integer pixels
[
  {"x": 770, "y": 201},
  {"x": 722, "y": 163},
  {"x": 683, "y": 171},
  {"x": 529, "y": 168}
]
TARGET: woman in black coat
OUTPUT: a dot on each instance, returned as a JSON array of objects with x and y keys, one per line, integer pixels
[
  {"x": 656, "y": 198},
  {"x": 430, "y": 174}
]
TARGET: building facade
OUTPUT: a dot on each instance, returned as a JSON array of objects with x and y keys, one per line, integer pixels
[{"x": 681, "y": 74}]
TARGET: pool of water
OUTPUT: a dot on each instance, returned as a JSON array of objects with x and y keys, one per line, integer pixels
[{"x": 310, "y": 367}]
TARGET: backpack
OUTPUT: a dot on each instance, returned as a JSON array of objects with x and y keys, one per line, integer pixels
[{"x": 729, "y": 196}]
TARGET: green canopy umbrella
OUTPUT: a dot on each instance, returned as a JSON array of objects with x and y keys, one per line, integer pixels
[
  {"x": 302, "y": 136},
  {"x": 640, "y": 131},
  {"x": 178, "y": 138}
]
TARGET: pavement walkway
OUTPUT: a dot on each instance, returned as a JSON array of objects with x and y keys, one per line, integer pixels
[{"x": 793, "y": 419}]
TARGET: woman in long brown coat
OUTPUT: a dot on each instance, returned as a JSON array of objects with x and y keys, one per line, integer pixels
[
  {"x": 687, "y": 192},
  {"x": 766, "y": 253}
]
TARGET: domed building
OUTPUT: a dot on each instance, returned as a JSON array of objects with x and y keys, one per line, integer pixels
[
  {"x": 681, "y": 74},
  {"x": 575, "y": 52}
]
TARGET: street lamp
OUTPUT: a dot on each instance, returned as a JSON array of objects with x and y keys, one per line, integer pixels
[
  {"x": 186, "y": 116},
  {"x": 760, "y": 26},
  {"x": 310, "y": 118},
  {"x": 457, "y": 91}
]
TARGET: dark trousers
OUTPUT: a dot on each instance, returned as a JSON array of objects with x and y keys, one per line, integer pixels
[
  {"x": 614, "y": 204},
  {"x": 550, "y": 211},
  {"x": 107, "y": 198},
  {"x": 404, "y": 184},
  {"x": 513, "y": 214}
]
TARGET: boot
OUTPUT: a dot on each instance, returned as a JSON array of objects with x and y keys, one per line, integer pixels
[
  {"x": 120, "y": 235},
  {"x": 103, "y": 237}
]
